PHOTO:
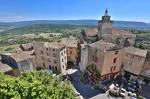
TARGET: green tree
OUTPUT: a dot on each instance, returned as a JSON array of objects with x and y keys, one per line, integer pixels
[{"x": 35, "y": 85}]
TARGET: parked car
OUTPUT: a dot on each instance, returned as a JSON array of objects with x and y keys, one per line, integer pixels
[
  {"x": 134, "y": 96},
  {"x": 130, "y": 89},
  {"x": 130, "y": 93},
  {"x": 123, "y": 92}
]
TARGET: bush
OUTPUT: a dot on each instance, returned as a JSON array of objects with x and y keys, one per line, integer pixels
[
  {"x": 100, "y": 89},
  {"x": 115, "y": 94},
  {"x": 140, "y": 97},
  {"x": 35, "y": 85}
]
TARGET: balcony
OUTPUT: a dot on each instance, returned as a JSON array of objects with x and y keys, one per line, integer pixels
[{"x": 93, "y": 71}]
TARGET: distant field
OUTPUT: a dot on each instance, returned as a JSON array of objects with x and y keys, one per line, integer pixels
[{"x": 9, "y": 39}]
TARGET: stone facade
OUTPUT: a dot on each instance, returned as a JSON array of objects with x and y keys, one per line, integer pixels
[
  {"x": 89, "y": 35},
  {"x": 108, "y": 33},
  {"x": 110, "y": 54},
  {"x": 23, "y": 61},
  {"x": 52, "y": 56},
  {"x": 73, "y": 49},
  {"x": 134, "y": 60},
  {"x": 104, "y": 59}
]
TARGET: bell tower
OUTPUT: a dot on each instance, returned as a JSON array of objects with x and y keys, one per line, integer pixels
[{"x": 104, "y": 25}]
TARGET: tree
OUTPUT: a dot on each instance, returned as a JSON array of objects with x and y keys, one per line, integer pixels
[{"x": 35, "y": 85}]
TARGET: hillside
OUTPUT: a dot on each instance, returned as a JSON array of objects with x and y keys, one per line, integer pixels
[
  {"x": 120, "y": 24},
  {"x": 44, "y": 28},
  {"x": 23, "y": 33}
]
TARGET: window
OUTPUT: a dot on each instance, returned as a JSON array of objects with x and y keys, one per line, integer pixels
[
  {"x": 50, "y": 67},
  {"x": 44, "y": 64},
  {"x": 95, "y": 51},
  {"x": 54, "y": 54},
  {"x": 56, "y": 69},
  {"x": 62, "y": 60},
  {"x": 69, "y": 57},
  {"x": 61, "y": 54},
  {"x": 66, "y": 64},
  {"x": 93, "y": 66},
  {"x": 96, "y": 59},
  {"x": 126, "y": 55},
  {"x": 111, "y": 69},
  {"x": 47, "y": 49},
  {"x": 55, "y": 61},
  {"x": 41, "y": 52},
  {"x": 115, "y": 59},
  {"x": 64, "y": 51},
  {"x": 65, "y": 57},
  {"x": 71, "y": 52},
  {"x": 47, "y": 54},
  {"x": 107, "y": 77},
  {"x": 49, "y": 60},
  {"x": 93, "y": 57},
  {"x": 116, "y": 52},
  {"x": 42, "y": 57},
  {"x": 53, "y": 49},
  {"x": 114, "y": 68}
]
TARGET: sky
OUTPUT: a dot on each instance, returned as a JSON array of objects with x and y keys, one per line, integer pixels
[{"x": 25, "y": 10}]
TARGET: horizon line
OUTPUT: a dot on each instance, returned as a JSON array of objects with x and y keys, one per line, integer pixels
[{"x": 68, "y": 20}]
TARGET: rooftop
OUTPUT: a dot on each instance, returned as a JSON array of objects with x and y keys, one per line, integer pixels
[
  {"x": 4, "y": 68},
  {"x": 121, "y": 32},
  {"x": 146, "y": 73},
  {"x": 136, "y": 51},
  {"x": 56, "y": 45},
  {"x": 70, "y": 41},
  {"x": 104, "y": 46},
  {"x": 22, "y": 56},
  {"x": 91, "y": 31},
  {"x": 26, "y": 46}
]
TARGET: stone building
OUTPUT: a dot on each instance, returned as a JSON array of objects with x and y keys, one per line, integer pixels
[
  {"x": 133, "y": 61},
  {"x": 104, "y": 61},
  {"x": 24, "y": 47},
  {"x": 73, "y": 49},
  {"x": 6, "y": 69},
  {"x": 145, "y": 73},
  {"x": 89, "y": 35},
  {"x": 107, "y": 51},
  {"x": 52, "y": 56},
  {"x": 107, "y": 32},
  {"x": 22, "y": 61}
]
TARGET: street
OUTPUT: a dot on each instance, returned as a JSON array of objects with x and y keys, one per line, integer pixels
[
  {"x": 85, "y": 90},
  {"x": 146, "y": 91}
]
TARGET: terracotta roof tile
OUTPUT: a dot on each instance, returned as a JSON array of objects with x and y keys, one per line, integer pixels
[
  {"x": 91, "y": 31},
  {"x": 136, "y": 51},
  {"x": 56, "y": 45},
  {"x": 4, "y": 68},
  {"x": 70, "y": 42},
  {"x": 21, "y": 56},
  {"x": 104, "y": 46},
  {"x": 121, "y": 32}
]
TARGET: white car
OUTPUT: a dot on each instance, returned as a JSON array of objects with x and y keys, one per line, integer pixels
[
  {"x": 130, "y": 93},
  {"x": 123, "y": 92}
]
